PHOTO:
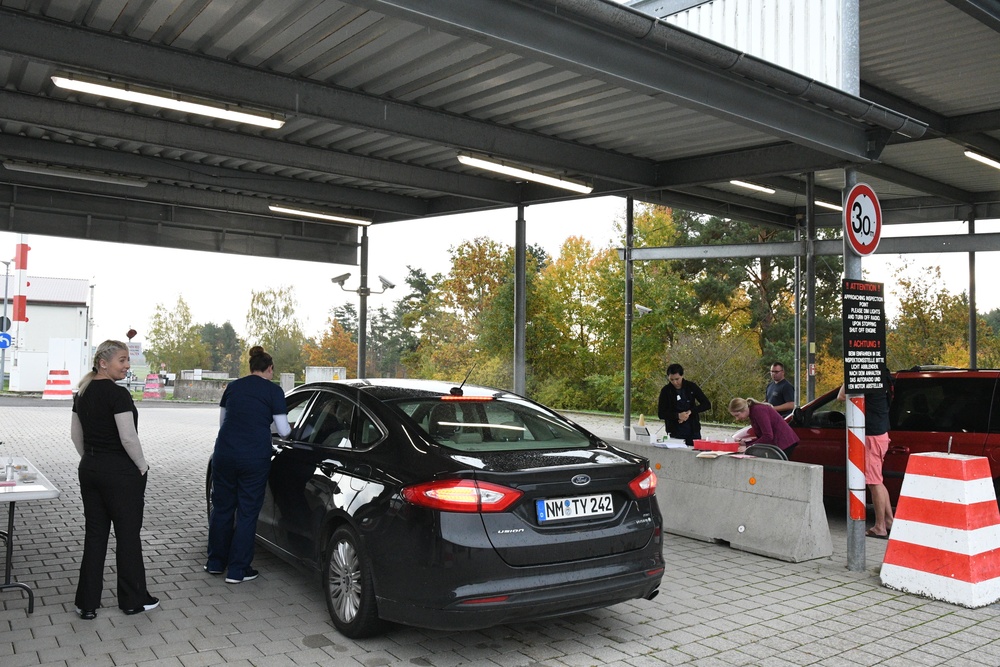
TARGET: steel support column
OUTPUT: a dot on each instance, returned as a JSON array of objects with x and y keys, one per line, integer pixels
[
  {"x": 520, "y": 303},
  {"x": 629, "y": 232}
]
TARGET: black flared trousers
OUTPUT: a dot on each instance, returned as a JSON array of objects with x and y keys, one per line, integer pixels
[{"x": 117, "y": 499}]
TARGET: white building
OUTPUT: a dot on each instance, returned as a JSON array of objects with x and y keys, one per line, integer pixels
[{"x": 56, "y": 336}]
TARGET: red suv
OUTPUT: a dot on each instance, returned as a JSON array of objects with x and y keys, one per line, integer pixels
[{"x": 931, "y": 407}]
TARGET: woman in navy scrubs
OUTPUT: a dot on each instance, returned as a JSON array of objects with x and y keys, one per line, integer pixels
[{"x": 240, "y": 466}]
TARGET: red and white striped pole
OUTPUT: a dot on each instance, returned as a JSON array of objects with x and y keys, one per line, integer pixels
[
  {"x": 20, "y": 300},
  {"x": 857, "y": 511}
]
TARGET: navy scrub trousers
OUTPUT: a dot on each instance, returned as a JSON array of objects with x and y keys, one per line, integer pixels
[{"x": 238, "y": 486}]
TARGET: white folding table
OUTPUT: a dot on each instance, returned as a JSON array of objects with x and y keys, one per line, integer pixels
[{"x": 29, "y": 484}]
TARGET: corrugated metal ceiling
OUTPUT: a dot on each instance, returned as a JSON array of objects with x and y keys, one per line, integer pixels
[{"x": 381, "y": 95}]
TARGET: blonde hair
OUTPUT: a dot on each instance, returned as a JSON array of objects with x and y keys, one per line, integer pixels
[
  {"x": 741, "y": 404},
  {"x": 105, "y": 351}
]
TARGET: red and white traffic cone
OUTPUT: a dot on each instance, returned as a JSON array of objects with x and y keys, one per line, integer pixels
[
  {"x": 945, "y": 537},
  {"x": 57, "y": 385}
]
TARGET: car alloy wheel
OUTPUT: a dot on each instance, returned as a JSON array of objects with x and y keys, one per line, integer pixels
[{"x": 350, "y": 593}]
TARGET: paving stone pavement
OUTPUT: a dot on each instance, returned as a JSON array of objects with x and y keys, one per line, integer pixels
[{"x": 717, "y": 606}]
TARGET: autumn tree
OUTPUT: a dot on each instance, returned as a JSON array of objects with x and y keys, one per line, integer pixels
[
  {"x": 335, "y": 347},
  {"x": 932, "y": 324},
  {"x": 271, "y": 323},
  {"x": 224, "y": 347},
  {"x": 174, "y": 340}
]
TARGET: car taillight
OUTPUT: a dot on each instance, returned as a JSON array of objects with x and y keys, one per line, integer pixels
[
  {"x": 644, "y": 485},
  {"x": 461, "y": 495}
]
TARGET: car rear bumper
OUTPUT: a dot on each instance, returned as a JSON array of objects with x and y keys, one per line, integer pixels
[{"x": 545, "y": 601}]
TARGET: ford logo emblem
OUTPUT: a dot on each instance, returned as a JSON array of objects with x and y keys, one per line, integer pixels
[{"x": 581, "y": 480}]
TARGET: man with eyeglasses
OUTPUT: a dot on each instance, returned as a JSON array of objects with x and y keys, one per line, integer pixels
[{"x": 780, "y": 392}]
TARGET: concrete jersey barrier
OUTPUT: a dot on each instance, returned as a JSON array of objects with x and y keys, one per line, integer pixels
[{"x": 767, "y": 507}]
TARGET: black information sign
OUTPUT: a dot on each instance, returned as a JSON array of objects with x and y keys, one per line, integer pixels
[{"x": 864, "y": 335}]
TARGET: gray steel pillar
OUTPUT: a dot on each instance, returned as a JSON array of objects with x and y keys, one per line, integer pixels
[
  {"x": 856, "y": 558},
  {"x": 973, "y": 316},
  {"x": 363, "y": 308},
  {"x": 520, "y": 303},
  {"x": 629, "y": 232},
  {"x": 810, "y": 286}
]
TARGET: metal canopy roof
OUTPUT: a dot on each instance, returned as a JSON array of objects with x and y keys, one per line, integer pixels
[{"x": 380, "y": 96}]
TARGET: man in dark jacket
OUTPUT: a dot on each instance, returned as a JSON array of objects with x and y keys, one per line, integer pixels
[{"x": 680, "y": 403}]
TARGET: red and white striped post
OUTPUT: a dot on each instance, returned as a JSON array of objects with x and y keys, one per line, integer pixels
[{"x": 857, "y": 512}]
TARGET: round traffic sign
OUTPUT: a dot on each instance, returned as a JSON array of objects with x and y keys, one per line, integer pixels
[
  {"x": 6, "y": 340},
  {"x": 862, "y": 220},
  {"x": 4, "y": 323}
]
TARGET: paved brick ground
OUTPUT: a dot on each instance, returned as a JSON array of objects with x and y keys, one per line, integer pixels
[{"x": 717, "y": 607}]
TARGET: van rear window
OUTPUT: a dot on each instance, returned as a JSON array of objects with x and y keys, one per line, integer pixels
[{"x": 942, "y": 404}]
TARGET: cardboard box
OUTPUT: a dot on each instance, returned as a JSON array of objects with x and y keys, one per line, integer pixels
[{"x": 716, "y": 446}]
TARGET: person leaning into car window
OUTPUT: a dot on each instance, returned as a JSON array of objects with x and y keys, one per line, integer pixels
[
  {"x": 241, "y": 462},
  {"x": 112, "y": 483},
  {"x": 768, "y": 426},
  {"x": 679, "y": 404},
  {"x": 876, "y": 445}
]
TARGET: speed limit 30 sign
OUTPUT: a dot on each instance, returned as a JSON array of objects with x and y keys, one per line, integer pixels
[{"x": 862, "y": 220}]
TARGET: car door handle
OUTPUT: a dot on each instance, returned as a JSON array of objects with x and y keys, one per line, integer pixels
[
  {"x": 898, "y": 450},
  {"x": 359, "y": 469}
]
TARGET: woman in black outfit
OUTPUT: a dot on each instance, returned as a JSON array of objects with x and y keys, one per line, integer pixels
[{"x": 112, "y": 483}]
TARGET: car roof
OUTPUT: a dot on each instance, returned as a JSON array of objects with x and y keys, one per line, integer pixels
[{"x": 385, "y": 389}]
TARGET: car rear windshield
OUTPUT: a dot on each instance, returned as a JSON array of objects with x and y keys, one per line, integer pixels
[{"x": 495, "y": 425}]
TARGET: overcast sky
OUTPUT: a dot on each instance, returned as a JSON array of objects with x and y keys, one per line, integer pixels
[{"x": 131, "y": 280}]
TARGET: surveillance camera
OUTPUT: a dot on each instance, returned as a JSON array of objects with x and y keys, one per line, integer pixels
[
  {"x": 386, "y": 283},
  {"x": 341, "y": 279},
  {"x": 642, "y": 310}
]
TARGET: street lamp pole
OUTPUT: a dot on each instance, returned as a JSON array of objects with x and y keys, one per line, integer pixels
[
  {"x": 363, "y": 291},
  {"x": 3, "y": 351}
]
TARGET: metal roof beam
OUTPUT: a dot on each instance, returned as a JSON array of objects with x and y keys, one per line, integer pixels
[
  {"x": 66, "y": 46},
  {"x": 738, "y": 200},
  {"x": 917, "y": 182},
  {"x": 984, "y": 121},
  {"x": 62, "y": 213},
  {"x": 986, "y": 12},
  {"x": 87, "y": 120},
  {"x": 750, "y": 163},
  {"x": 707, "y": 206},
  {"x": 965, "y": 130},
  {"x": 794, "y": 185},
  {"x": 887, "y": 246},
  {"x": 205, "y": 176},
  {"x": 537, "y": 31}
]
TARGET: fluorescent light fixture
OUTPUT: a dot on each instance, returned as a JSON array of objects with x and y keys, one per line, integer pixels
[
  {"x": 753, "y": 186},
  {"x": 982, "y": 158},
  {"x": 826, "y": 204},
  {"x": 63, "y": 172},
  {"x": 131, "y": 94},
  {"x": 526, "y": 174},
  {"x": 349, "y": 219}
]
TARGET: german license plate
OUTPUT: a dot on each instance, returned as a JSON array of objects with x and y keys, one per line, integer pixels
[{"x": 554, "y": 509}]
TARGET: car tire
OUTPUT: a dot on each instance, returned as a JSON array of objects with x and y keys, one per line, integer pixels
[{"x": 348, "y": 586}]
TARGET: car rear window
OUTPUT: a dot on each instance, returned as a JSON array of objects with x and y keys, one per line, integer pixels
[
  {"x": 502, "y": 424},
  {"x": 950, "y": 403}
]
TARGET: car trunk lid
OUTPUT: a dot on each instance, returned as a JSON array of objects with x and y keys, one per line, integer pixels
[{"x": 576, "y": 505}]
